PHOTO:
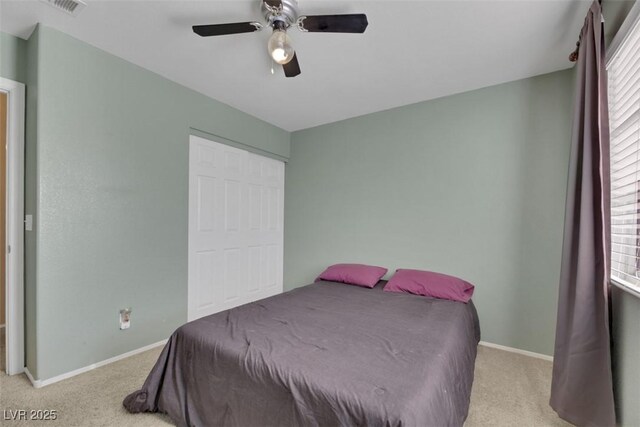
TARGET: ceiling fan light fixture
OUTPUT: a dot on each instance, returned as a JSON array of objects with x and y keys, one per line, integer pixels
[{"x": 280, "y": 47}]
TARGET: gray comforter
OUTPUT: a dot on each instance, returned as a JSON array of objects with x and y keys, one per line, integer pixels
[{"x": 325, "y": 354}]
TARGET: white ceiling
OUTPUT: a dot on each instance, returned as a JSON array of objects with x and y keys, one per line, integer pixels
[{"x": 412, "y": 51}]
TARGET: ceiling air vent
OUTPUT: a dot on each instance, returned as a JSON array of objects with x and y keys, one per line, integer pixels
[{"x": 72, "y": 7}]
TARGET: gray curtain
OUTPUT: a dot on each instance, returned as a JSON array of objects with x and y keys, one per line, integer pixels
[{"x": 582, "y": 390}]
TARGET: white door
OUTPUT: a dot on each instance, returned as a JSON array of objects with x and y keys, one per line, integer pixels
[{"x": 236, "y": 233}]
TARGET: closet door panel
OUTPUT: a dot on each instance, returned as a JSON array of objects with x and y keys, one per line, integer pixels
[{"x": 236, "y": 201}]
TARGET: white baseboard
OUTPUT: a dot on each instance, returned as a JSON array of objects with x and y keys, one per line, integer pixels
[
  {"x": 28, "y": 374},
  {"x": 57, "y": 378},
  {"x": 517, "y": 350}
]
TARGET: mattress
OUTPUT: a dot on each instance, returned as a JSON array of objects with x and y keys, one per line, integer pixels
[{"x": 326, "y": 354}]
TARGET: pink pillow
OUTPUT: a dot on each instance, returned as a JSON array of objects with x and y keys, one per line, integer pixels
[
  {"x": 353, "y": 274},
  {"x": 430, "y": 284}
]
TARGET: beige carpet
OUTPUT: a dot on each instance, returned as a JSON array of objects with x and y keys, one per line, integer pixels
[{"x": 509, "y": 390}]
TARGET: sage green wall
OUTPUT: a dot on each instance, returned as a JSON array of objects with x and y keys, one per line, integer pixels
[
  {"x": 625, "y": 307},
  {"x": 112, "y": 176},
  {"x": 31, "y": 201},
  {"x": 615, "y": 12},
  {"x": 626, "y": 365},
  {"x": 471, "y": 185},
  {"x": 13, "y": 58}
]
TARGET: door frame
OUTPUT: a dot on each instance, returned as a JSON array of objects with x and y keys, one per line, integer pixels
[{"x": 14, "y": 279}]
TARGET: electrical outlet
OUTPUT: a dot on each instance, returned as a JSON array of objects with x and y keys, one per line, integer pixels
[{"x": 125, "y": 318}]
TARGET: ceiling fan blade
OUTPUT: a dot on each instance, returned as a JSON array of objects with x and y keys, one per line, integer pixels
[
  {"x": 292, "y": 68},
  {"x": 273, "y": 3},
  {"x": 223, "y": 29},
  {"x": 354, "y": 23}
]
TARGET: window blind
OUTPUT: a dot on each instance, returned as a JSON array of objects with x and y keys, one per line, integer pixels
[{"x": 624, "y": 121}]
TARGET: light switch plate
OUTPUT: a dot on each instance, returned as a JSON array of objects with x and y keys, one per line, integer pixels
[{"x": 28, "y": 222}]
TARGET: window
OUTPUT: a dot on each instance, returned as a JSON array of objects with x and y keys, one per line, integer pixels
[{"x": 624, "y": 119}]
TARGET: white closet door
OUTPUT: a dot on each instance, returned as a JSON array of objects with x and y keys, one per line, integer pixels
[{"x": 236, "y": 203}]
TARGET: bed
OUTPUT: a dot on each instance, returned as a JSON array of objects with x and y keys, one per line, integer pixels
[{"x": 325, "y": 354}]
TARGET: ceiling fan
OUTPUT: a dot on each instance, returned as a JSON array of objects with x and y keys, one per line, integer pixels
[{"x": 281, "y": 15}]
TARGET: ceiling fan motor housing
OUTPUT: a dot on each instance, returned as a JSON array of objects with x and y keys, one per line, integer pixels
[{"x": 287, "y": 12}]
